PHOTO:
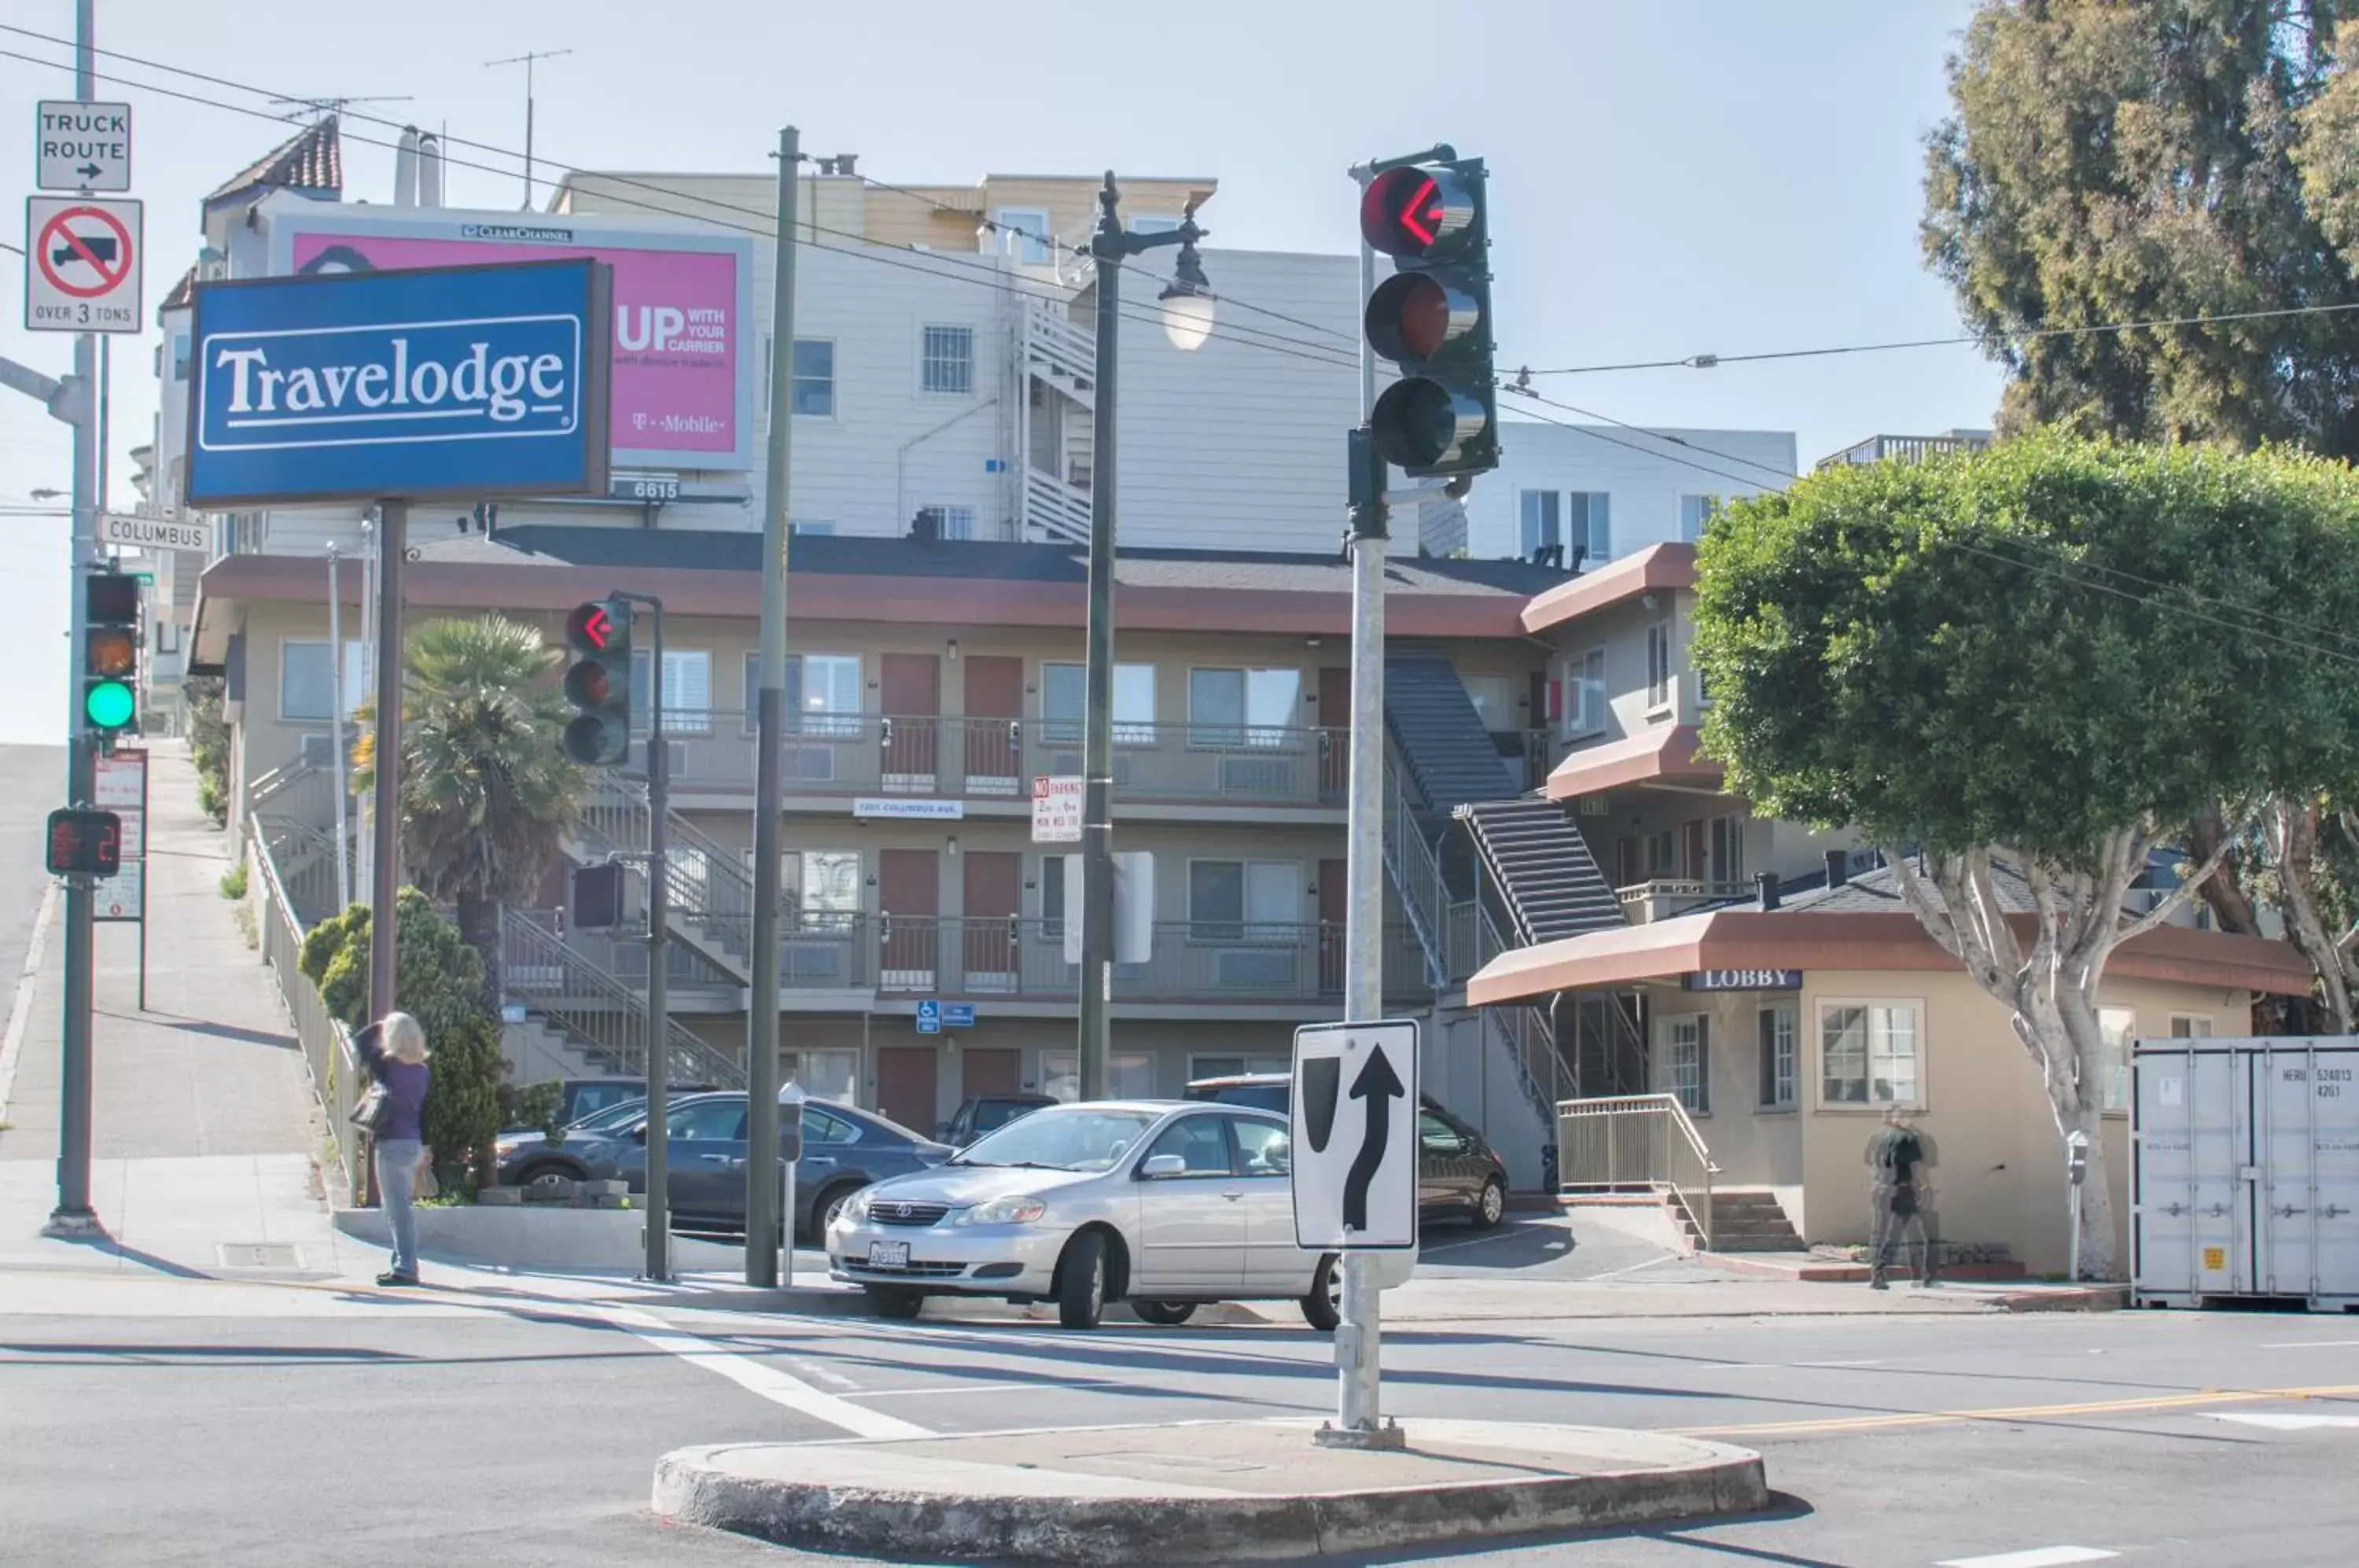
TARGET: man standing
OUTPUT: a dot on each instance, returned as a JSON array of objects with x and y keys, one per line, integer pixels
[{"x": 1899, "y": 1196}]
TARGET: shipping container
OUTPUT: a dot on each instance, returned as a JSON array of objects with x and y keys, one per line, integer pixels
[{"x": 2245, "y": 1171}]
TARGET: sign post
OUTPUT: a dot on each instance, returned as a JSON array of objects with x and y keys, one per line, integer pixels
[
  {"x": 121, "y": 786},
  {"x": 82, "y": 259}
]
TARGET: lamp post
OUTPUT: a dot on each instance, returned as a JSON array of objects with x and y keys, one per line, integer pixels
[{"x": 1188, "y": 306}]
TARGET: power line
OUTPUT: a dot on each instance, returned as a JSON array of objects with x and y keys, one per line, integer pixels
[
  {"x": 1658, "y": 435},
  {"x": 1225, "y": 332},
  {"x": 1633, "y": 446}
]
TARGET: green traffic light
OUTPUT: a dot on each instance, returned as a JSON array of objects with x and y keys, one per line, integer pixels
[{"x": 109, "y": 704}]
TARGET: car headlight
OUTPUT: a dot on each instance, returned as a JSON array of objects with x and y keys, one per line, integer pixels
[
  {"x": 855, "y": 1208},
  {"x": 1013, "y": 1209}
]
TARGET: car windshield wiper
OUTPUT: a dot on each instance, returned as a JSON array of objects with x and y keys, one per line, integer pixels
[{"x": 1008, "y": 1164}]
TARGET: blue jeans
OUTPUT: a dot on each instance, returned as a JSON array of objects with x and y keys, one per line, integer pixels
[{"x": 396, "y": 1184}]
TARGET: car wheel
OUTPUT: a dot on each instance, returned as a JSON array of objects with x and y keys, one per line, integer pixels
[
  {"x": 1165, "y": 1314},
  {"x": 823, "y": 1208},
  {"x": 1490, "y": 1204},
  {"x": 1322, "y": 1306},
  {"x": 894, "y": 1301},
  {"x": 1082, "y": 1284},
  {"x": 544, "y": 1176}
]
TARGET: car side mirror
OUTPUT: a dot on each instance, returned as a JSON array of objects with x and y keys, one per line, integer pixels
[
  {"x": 1160, "y": 1167},
  {"x": 639, "y": 1133}
]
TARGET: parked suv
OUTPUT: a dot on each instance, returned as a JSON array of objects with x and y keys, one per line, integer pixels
[
  {"x": 1458, "y": 1174},
  {"x": 980, "y": 1113}
]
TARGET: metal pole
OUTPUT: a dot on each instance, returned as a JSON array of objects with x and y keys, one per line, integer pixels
[
  {"x": 336, "y": 664},
  {"x": 393, "y": 538},
  {"x": 770, "y": 729},
  {"x": 1096, "y": 1043},
  {"x": 2072, "y": 1239},
  {"x": 659, "y": 1229},
  {"x": 73, "y": 1215},
  {"x": 105, "y": 416}
]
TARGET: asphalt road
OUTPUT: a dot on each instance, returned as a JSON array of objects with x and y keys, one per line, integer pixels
[
  {"x": 32, "y": 784},
  {"x": 428, "y": 1428}
]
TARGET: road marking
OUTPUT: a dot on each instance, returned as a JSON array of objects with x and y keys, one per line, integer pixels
[
  {"x": 2021, "y": 1413},
  {"x": 2283, "y": 1422},
  {"x": 779, "y": 1387},
  {"x": 823, "y": 1375},
  {"x": 1633, "y": 1269},
  {"x": 20, "y": 1011},
  {"x": 2037, "y": 1557},
  {"x": 1062, "y": 1385},
  {"x": 1877, "y": 1361},
  {"x": 2313, "y": 1344}
]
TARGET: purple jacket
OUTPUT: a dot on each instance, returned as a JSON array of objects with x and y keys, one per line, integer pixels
[{"x": 405, "y": 1083}]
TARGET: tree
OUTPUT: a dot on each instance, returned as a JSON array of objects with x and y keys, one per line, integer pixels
[
  {"x": 438, "y": 980},
  {"x": 2011, "y": 662},
  {"x": 2328, "y": 152},
  {"x": 486, "y": 790},
  {"x": 2111, "y": 162}
]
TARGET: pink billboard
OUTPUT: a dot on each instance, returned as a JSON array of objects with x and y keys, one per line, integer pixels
[{"x": 681, "y": 371}]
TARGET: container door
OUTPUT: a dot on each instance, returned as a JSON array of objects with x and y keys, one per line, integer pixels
[
  {"x": 2191, "y": 1143},
  {"x": 2308, "y": 1151}
]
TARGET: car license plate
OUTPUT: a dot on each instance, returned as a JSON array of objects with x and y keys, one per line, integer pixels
[{"x": 888, "y": 1255}]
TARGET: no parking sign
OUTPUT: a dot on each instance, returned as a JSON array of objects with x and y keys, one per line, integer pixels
[{"x": 82, "y": 261}]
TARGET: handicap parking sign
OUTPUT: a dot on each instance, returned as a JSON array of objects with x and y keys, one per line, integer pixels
[{"x": 929, "y": 1017}]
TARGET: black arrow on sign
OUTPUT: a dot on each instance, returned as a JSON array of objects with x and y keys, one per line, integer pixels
[
  {"x": 89, "y": 171},
  {"x": 1376, "y": 1084}
]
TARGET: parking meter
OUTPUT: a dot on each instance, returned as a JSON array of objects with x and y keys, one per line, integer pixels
[
  {"x": 2076, "y": 1171},
  {"x": 790, "y": 1153},
  {"x": 2076, "y": 1158}
]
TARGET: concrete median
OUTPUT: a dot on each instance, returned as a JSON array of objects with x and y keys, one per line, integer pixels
[{"x": 1202, "y": 1492}]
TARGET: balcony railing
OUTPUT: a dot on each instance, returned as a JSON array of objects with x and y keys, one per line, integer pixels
[
  {"x": 1665, "y": 897},
  {"x": 882, "y": 754}
]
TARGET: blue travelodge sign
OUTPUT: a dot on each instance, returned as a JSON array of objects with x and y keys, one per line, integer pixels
[{"x": 467, "y": 381}]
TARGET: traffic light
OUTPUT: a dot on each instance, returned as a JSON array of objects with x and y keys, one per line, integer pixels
[
  {"x": 1432, "y": 316},
  {"x": 85, "y": 843},
  {"x": 597, "y": 897},
  {"x": 599, "y": 683},
  {"x": 109, "y": 652}
]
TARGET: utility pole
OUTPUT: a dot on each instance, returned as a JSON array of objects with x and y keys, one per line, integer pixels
[
  {"x": 658, "y": 1228},
  {"x": 770, "y": 730},
  {"x": 527, "y": 61},
  {"x": 336, "y": 676},
  {"x": 384, "y": 857}
]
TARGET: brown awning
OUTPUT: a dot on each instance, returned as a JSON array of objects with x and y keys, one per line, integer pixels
[
  {"x": 1660, "y": 566},
  {"x": 1665, "y": 755}
]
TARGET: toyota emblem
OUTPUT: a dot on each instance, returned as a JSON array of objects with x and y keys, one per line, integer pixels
[{"x": 902, "y": 1209}]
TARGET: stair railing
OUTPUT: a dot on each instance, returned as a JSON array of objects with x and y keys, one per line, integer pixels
[
  {"x": 608, "y": 1016},
  {"x": 1417, "y": 876},
  {"x": 1627, "y": 1143}
]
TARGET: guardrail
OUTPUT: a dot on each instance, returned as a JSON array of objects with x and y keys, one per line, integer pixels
[
  {"x": 1637, "y": 1143},
  {"x": 327, "y": 1055}
]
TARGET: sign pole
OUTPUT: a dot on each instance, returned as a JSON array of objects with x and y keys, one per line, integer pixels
[
  {"x": 338, "y": 699},
  {"x": 73, "y": 1215},
  {"x": 659, "y": 1157},
  {"x": 393, "y": 536}
]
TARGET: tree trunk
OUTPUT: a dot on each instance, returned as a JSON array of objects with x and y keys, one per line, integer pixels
[
  {"x": 479, "y": 925},
  {"x": 2295, "y": 825}
]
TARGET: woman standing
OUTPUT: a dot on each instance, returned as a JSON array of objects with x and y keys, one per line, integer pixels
[{"x": 394, "y": 1051}]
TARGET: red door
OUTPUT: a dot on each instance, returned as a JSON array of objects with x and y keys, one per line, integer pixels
[
  {"x": 905, "y": 1086},
  {"x": 994, "y": 897},
  {"x": 1334, "y": 906},
  {"x": 1335, "y": 734},
  {"x": 910, "y": 893},
  {"x": 912, "y": 697},
  {"x": 995, "y": 712},
  {"x": 992, "y": 1071},
  {"x": 1691, "y": 850}
]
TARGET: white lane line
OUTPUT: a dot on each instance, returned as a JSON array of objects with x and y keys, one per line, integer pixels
[
  {"x": 2037, "y": 1557},
  {"x": 1061, "y": 1386},
  {"x": 823, "y": 1375},
  {"x": 1875, "y": 1362},
  {"x": 12, "y": 1040},
  {"x": 1616, "y": 1274},
  {"x": 755, "y": 1378},
  {"x": 2279, "y": 1422},
  {"x": 2313, "y": 1344}
]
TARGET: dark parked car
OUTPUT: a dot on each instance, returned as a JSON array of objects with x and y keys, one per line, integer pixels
[
  {"x": 527, "y": 1156},
  {"x": 980, "y": 1113},
  {"x": 845, "y": 1150},
  {"x": 1458, "y": 1174}
]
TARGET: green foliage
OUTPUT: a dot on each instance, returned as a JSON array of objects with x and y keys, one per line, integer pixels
[
  {"x": 232, "y": 883},
  {"x": 438, "y": 980},
  {"x": 2034, "y": 647},
  {"x": 2111, "y": 162},
  {"x": 208, "y": 746},
  {"x": 537, "y": 1106}
]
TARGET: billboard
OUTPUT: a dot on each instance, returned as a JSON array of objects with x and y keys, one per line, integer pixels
[
  {"x": 465, "y": 381},
  {"x": 683, "y": 380}
]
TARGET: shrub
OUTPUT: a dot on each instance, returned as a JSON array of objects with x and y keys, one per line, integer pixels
[{"x": 232, "y": 883}]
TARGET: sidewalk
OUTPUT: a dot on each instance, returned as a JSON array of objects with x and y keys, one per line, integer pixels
[{"x": 202, "y": 1127}]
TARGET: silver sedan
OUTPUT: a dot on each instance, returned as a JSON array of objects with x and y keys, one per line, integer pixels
[{"x": 1165, "y": 1204}]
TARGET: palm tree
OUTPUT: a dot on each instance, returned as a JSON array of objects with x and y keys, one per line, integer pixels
[{"x": 486, "y": 790}]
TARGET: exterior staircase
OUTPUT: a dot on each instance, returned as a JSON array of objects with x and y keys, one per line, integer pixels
[
  {"x": 712, "y": 891},
  {"x": 1542, "y": 867},
  {"x": 1061, "y": 356},
  {"x": 1441, "y": 738},
  {"x": 1743, "y": 1222},
  {"x": 604, "y": 1019}
]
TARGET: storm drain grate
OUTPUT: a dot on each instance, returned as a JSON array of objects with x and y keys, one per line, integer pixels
[{"x": 259, "y": 1255}]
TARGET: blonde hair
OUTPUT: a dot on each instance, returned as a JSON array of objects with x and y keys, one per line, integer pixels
[{"x": 405, "y": 1039}]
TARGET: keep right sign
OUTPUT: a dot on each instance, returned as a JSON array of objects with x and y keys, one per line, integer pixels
[{"x": 1354, "y": 1115}]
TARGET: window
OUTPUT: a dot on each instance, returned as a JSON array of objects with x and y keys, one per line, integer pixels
[
  {"x": 307, "y": 679},
  {"x": 1063, "y": 687},
  {"x": 2184, "y": 1026},
  {"x": 954, "y": 522},
  {"x": 1199, "y": 1142},
  {"x": 946, "y": 361},
  {"x": 1727, "y": 866},
  {"x": 1542, "y": 522},
  {"x": 1023, "y": 234},
  {"x": 707, "y": 1121},
  {"x": 1868, "y": 1053},
  {"x": 1435, "y": 1135},
  {"x": 1780, "y": 1031},
  {"x": 823, "y": 882},
  {"x": 1494, "y": 697},
  {"x": 1587, "y": 714},
  {"x": 1662, "y": 853},
  {"x": 1223, "y": 896},
  {"x": 687, "y": 688},
  {"x": 1590, "y": 517},
  {"x": 1130, "y": 1075},
  {"x": 1262, "y": 1147},
  {"x": 1153, "y": 224},
  {"x": 798, "y": 526},
  {"x": 1696, "y": 513},
  {"x": 1243, "y": 707},
  {"x": 1680, "y": 1051},
  {"x": 822, "y": 694},
  {"x": 1201, "y": 1067},
  {"x": 1658, "y": 666},
  {"x": 825, "y": 1126},
  {"x": 2116, "y": 1027},
  {"x": 814, "y": 378},
  {"x": 179, "y": 356}
]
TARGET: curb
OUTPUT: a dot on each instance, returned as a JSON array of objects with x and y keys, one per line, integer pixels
[
  {"x": 1046, "y": 1516},
  {"x": 2092, "y": 1299}
]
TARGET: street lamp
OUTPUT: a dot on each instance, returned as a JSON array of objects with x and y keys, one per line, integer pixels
[{"x": 1187, "y": 305}]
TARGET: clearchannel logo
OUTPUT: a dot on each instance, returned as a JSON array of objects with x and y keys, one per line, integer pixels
[{"x": 425, "y": 382}]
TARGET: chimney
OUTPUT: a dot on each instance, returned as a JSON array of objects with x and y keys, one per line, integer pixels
[
  {"x": 1838, "y": 867},
  {"x": 1767, "y": 882},
  {"x": 844, "y": 162},
  {"x": 405, "y": 168},
  {"x": 430, "y": 170},
  {"x": 927, "y": 527}
]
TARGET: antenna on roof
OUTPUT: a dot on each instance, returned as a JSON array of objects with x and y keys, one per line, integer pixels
[
  {"x": 298, "y": 108},
  {"x": 526, "y": 60}
]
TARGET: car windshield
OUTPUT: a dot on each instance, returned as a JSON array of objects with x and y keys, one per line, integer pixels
[
  {"x": 614, "y": 1117},
  {"x": 993, "y": 1114},
  {"x": 1062, "y": 1138}
]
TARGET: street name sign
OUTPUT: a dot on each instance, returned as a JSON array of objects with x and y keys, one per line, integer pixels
[
  {"x": 463, "y": 381},
  {"x": 127, "y": 533},
  {"x": 1353, "y": 1125},
  {"x": 82, "y": 147},
  {"x": 83, "y": 258}
]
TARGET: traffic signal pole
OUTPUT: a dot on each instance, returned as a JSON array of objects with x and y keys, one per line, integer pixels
[
  {"x": 658, "y": 1226},
  {"x": 384, "y": 856}
]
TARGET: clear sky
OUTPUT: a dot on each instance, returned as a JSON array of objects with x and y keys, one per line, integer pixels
[{"x": 1669, "y": 177}]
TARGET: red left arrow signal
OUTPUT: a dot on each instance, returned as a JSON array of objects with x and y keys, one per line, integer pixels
[
  {"x": 1421, "y": 215},
  {"x": 596, "y": 626}
]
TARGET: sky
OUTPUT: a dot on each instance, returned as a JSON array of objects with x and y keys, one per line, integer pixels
[{"x": 1668, "y": 176}]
